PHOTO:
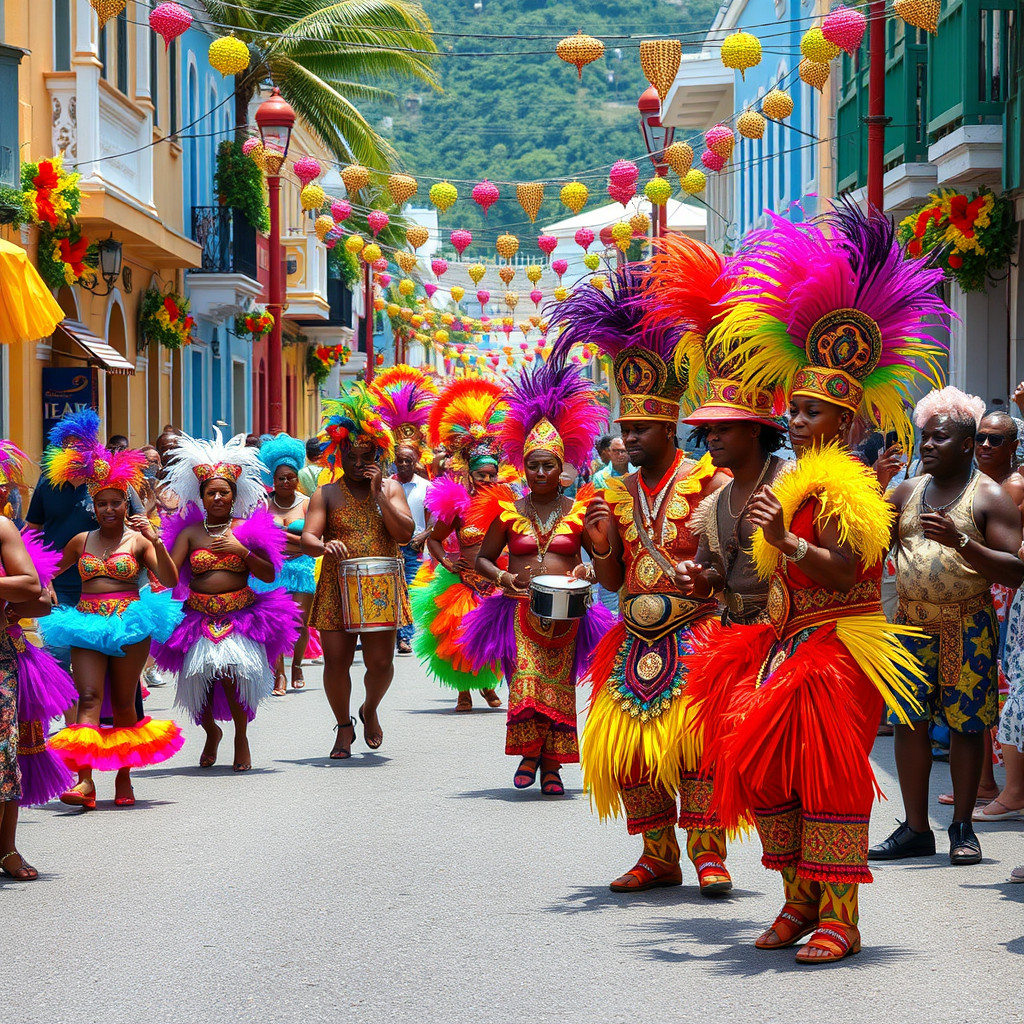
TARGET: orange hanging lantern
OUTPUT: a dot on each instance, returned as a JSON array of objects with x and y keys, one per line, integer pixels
[
  {"x": 417, "y": 235},
  {"x": 751, "y": 125},
  {"x": 777, "y": 105},
  {"x": 406, "y": 260},
  {"x": 506, "y": 274},
  {"x": 679, "y": 156},
  {"x": 640, "y": 223},
  {"x": 530, "y": 196},
  {"x": 107, "y": 9},
  {"x": 579, "y": 50},
  {"x": 659, "y": 60},
  {"x": 356, "y": 177},
  {"x": 507, "y": 246},
  {"x": 814, "y": 74},
  {"x": 402, "y": 187}
]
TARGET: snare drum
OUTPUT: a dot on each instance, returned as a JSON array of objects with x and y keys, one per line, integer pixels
[
  {"x": 371, "y": 594},
  {"x": 560, "y": 597}
]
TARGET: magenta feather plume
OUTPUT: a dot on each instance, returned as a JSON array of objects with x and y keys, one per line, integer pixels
[
  {"x": 45, "y": 559},
  {"x": 447, "y": 500}
]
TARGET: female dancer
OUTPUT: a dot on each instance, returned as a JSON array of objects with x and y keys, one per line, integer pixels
[
  {"x": 790, "y": 710},
  {"x": 552, "y": 421},
  {"x": 360, "y": 515},
  {"x": 230, "y": 637},
  {"x": 465, "y": 420},
  {"x": 284, "y": 456},
  {"x": 110, "y": 630}
]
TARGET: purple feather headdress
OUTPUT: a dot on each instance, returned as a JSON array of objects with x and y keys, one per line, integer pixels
[{"x": 404, "y": 397}]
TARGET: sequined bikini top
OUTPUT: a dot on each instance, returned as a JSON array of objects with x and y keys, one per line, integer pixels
[
  {"x": 121, "y": 566},
  {"x": 203, "y": 560}
]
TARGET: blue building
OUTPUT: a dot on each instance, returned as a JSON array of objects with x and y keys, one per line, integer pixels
[
  {"x": 217, "y": 369},
  {"x": 780, "y": 171}
]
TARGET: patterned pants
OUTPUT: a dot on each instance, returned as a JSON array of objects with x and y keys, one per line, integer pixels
[
  {"x": 652, "y": 807},
  {"x": 10, "y": 774}
]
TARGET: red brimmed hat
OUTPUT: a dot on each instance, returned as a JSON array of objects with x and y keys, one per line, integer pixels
[{"x": 726, "y": 400}]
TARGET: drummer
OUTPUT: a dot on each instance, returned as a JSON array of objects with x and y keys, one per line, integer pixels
[
  {"x": 543, "y": 533},
  {"x": 360, "y": 515}
]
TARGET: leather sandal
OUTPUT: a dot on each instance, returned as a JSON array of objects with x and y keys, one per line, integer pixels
[
  {"x": 525, "y": 775},
  {"x": 788, "y": 928},
  {"x": 551, "y": 783},
  {"x": 32, "y": 874},
  {"x": 493, "y": 700},
  {"x": 465, "y": 701},
  {"x": 648, "y": 873},
  {"x": 712, "y": 875},
  {"x": 340, "y": 752},
  {"x": 833, "y": 940}
]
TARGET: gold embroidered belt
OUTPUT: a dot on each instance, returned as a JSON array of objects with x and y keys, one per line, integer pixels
[
  {"x": 945, "y": 621},
  {"x": 220, "y": 604},
  {"x": 106, "y": 604},
  {"x": 791, "y": 611},
  {"x": 653, "y": 616},
  {"x": 31, "y": 738},
  {"x": 746, "y": 611}
]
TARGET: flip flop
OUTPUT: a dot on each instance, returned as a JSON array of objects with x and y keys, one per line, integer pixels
[{"x": 1010, "y": 814}]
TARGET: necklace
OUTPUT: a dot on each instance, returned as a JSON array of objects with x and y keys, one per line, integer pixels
[
  {"x": 544, "y": 533},
  {"x": 760, "y": 480},
  {"x": 114, "y": 546},
  {"x": 732, "y": 546},
  {"x": 949, "y": 504},
  {"x": 650, "y": 511},
  {"x": 217, "y": 529},
  {"x": 287, "y": 508}
]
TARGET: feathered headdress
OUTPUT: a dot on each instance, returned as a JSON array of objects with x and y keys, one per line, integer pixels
[
  {"x": 404, "y": 397},
  {"x": 551, "y": 407},
  {"x": 650, "y": 385},
  {"x": 352, "y": 419},
  {"x": 193, "y": 461},
  {"x": 466, "y": 419},
  {"x": 281, "y": 450},
  {"x": 835, "y": 310},
  {"x": 75, "y": 452},
  {"x": 11, "y": 457}
]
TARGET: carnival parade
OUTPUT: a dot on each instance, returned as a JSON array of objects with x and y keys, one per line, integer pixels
[{"x": 362, "y": 658}]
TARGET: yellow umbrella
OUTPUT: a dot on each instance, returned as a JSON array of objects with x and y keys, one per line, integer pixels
[{"x": 27, "y": 309}]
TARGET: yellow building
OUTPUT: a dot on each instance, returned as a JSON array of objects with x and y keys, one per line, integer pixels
[{"x": 90, "y": 95}]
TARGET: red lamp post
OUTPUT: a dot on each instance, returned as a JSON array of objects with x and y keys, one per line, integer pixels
[
  {"x": 275, "y": 119},
  {"x": 657, "y": 138}
]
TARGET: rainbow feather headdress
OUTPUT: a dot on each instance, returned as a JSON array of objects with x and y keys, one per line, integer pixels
[
  {"x": 352, "y": 419},
  {"x": 281, "y": 450},
  {"x": 835, "y": 310},
  {"x": 404, "y": 397},
  {"x": 11, "y": 458},
  {"x": 650, "y": 383},
  {"x": 75, "y": 452},
  {"x": 466, "y": 419},
  {"x": 551, "y": 407},
  {"x": 194, "y": 461},
  {"x": 691, "y": 286}
]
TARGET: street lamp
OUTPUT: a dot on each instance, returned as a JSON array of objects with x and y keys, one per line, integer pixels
[
  {"x": 109, "y": 251},
  {"x": 657, "y": 138},
  {"x": 275, "y": 119}
]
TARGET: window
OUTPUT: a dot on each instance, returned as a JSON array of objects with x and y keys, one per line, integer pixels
[
  {"x": 10, "y": 167},
  {"x": 172, "y": 87},
  {"x": 154, "y": 78},
  {"x": 104, "y": 70},
  {"x": 61, "y": 35},
  {"x": 122, "y": 52}
]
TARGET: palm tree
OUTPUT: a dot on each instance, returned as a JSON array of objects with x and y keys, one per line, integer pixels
[{"x": 323, "y": 54}]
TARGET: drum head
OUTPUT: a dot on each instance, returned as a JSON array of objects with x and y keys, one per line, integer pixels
[{"x": 560, "y": 583}]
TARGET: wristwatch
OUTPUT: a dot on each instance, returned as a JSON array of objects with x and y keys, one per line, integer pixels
[{"x": 962, "y": 540}]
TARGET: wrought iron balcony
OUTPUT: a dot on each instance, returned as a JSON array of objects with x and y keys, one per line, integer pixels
[{"x": 227, "y": 239}]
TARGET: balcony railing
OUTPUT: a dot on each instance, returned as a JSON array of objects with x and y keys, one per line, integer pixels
[{"x": 227, "y": 239}]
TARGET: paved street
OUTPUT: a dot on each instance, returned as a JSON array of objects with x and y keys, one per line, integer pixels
[{"x": 417, "y": 886}]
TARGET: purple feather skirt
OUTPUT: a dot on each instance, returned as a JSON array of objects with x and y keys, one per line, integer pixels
[{"x": 231, "y": 638}]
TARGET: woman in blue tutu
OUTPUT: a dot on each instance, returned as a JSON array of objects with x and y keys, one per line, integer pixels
[
  {"x": 110, "y": 629},
  {"x": 284, "y": 456}
]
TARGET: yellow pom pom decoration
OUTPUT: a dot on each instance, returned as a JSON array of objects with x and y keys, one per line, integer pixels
[
  {"x": 530, "y": 196},
  {"x": 777, "y": 105},
  {"x": 658, "y": 190},
  {"x": 507, "y": 246},
  {"x": 371, "y": 253},
  {"x": 354, "y": 243},
  {"x": 659, "y": 61},
  {"x": 561, "y": 293},
  {"x": 323, "y": 225},
  {"x": 406, "y": 260},
  {"x": 476, "y": 272},
  {"x": 919, "y": 13},
  {"x": 406, "y": 287},
  {"x": 694, "y": 181},
  {"x": 599, "y": 281},
  {"x": 740, "y": 51},
  {"x": 313, "y": 197},
  {"x": 622, "y": 235},
  {"x": 640, "y": 223},
  {"x": 441, "y": 337},
  {"x": 443, "y": 195},
  {"x": 574, "y": 195},
  {"x": 511, "y": 299},
  {"x": 815, "y": 47},
  {"x": 533, "y": 273},
  {"x": 228, "y": 55},
  {"x": 592, "y": 261},
  {"x": 457, "y": 291},
  {"x": 107, "y": 9}
]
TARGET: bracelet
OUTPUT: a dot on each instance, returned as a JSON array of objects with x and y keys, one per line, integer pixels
[
  {"x": 801, "y": 550},
  {"x": 246, "y": 555},
  {"x": 602, "y": 557},
  {"x": 497, "y": 579}
]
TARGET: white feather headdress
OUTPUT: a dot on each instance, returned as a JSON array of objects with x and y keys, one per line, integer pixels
[{"x": 194, "y": 461}]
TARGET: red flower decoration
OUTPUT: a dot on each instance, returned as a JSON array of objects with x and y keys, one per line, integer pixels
[
  {"x": 74, "y": 253},
  {"x": 956, "y": 262}
]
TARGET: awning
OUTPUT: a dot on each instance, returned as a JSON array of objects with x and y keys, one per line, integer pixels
[{"x": 100, "y": 353}]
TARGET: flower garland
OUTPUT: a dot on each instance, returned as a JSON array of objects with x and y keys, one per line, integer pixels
[
  {"x": 165, "y": 319},
  {"x": 256, "y": 322},
  {"x": 52, "y": 193},
  {"x": 971, "y": 237},
  {"x": 320, "y": 360},
  {"x": 66, "y": 257}
]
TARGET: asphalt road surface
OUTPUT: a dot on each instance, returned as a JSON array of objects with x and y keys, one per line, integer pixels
[{"x": 415, "y": 885}]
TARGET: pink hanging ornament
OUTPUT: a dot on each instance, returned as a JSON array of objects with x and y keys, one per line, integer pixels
[
  {"x": 250, "y": 144},
  {"x": 844, "y": 27},
  {"x": 380, "y": 265},
  {"x": 622, "y": 179},
  {"x": 439, "y": 267},
  {"x": 720, "y": 140},
  {"x": 430, "y": 288},
  {"x": 712, "y": 161},
  {"x": 485, "y": 195},
  {"x": 341, "y": 210},
  {"x": 385, "y": 279},
  {"x": 378, "y": 221},
  {"x": 461, "y": 240},
  {"x": 483, "y": 297},
  {"x": 585, "y": 238},
  {"x": 547, "y": 244},
  {"x": 536, "y": 296},
  {"x": 170, "y": 21},
  {"x": 559, "y": 267},
  {"x": 307, "y": 169}
]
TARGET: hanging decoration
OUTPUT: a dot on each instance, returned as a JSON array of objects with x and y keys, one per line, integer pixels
[
  {"x": 312, "y": 198},
  {"x": 559, "y": 267},
  {"x": 720, "y": 139},
  {"x": 815, "y": 75},
  {"x": 65, "y": 256},
  {"x": 922, "y": 14},
  {"x": 679, "y": 156},
  {"x": 658, "y": 191},
  {"x": 443, "y": 195},
  {"x": 622, "y": 235},
  {"x": 457, "y": 291},
  {"x": 507, "y": 246},
  {"x": 307, "y": 169},
  {"x": 51, "y": 193},
  {"x": 579, "y": 50},
  {"x": 406, "y": 260},
  {"x": 536, "y": 297},
  {"x": 253, "y": 149},
  {"x": 165, "y": 319},
  {"x": 592, "y": 261},
  {"x": 712, "y": 161},
  {"x": 476, "y": 273},
  {"x": 640, "y": 223},
  {"x": 107, "y": 9},
  {"x": 777, "y": 105},
  {"x": 845, "y": 27},
  {"x": 483, "y": 297},
  {"x": 354, "y": 243},
  {"x": 741, "y": 51},
  {"x": 377, "y": 221},
  {"x": 584, "y": 238},
  {"x": 170, "y": 21},
  {"x": 406, "y": 287},
  {"x": 533, "y": 273},
  {"x": 402, "y": 187},
  {"x": 511, "y": 299},
  {"x": 599, "y": 281},
  {"x": 561, "y": 293},
  {"x": 751, "y": 125},
  {"x": 659, "y": 61},
  {"x": 694, "y": 182},
  {"x": 356, "y": 177},
  {"x": 439, "y": 266},
  {"x": 815, "y": 47},
  {"x": 485, "y": 195},
  {"x": 255, "y": 322},
  {"x": 506, "y": 274},
  {"x": 371, "y": 253},
  {"x": 341, "y": 210},
  {"x": 417, "y": 235},
  {"x": 227, "y": 55},
  {"x": 431, "y": 289},
  {"x": 461, "y": 240},
  {"x": 323, "y": 225},
  {"x": 622, "y": 179},
  {"x": 547, "y": 244},
  {"x": 574, "y": 195},
  {"x": 530, "y": 195}
]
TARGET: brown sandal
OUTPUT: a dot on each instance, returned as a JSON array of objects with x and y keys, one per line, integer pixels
[
  {"x": 31, "y": 875},
  {"x": 788, "y": 928},
  {"x": 834, "y": 941},
  {"x": 648, "y": 873},
  {"x": 340, "y": 752}
]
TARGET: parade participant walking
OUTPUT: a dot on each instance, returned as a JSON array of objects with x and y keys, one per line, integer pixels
[
  {"x": 284, "y": 457},
  {"x": 404, "y": 397},
  {"x": 834, "y": 313},
  {"x": 223, "y": 652},
  {"x": 110, "y": 629},
  {"x": 638, "y": 752},
  {"x": 464, "y": 421},
  {"x": 553, "y": 417},
  {"x": 957, "y": 533},
  {"x": 360, "y": 515}
]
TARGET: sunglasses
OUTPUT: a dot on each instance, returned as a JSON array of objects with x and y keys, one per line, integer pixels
[{"x": 992, "y": 440}]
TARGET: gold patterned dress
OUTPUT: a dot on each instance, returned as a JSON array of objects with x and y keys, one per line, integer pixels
[{"x": 359, "y": 525}]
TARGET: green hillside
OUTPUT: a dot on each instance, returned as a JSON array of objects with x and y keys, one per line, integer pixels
[{"x": 525, "y": 115}]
